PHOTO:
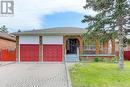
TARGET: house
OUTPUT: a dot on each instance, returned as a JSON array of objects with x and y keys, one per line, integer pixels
[
  {"x": 54, "y": 45},
  {"x": 127, "y": 48},
  {"x": 7, "y": 47},
  {"x": 128, "y": 37},
  {"x": 7, "y": 41}
]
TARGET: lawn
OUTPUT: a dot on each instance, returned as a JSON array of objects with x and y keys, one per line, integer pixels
[{"x": 100, "y": 75}]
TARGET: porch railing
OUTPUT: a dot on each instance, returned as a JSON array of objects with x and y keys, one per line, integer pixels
[{"x": 91, "y": 49}]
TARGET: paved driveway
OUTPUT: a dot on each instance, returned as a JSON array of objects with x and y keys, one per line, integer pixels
[{"x": 33, "y": 75}]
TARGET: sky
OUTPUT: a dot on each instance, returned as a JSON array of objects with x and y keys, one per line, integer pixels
[
  {"x": 70, "y": 19},
  {"x": 41, "y": 14}
]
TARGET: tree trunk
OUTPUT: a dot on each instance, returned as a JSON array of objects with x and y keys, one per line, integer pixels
[
  {"x": 121, "y": 35},
  {"x": 121, "y": 52}
]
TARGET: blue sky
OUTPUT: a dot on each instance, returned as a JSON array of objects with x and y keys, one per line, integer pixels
[
  {"x": 68, "y": 19},
  {"x": 41, "y": 14}
]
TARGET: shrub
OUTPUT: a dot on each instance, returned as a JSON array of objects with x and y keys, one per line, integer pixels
[
  {"x": 101, "y": 59},
  {"x": 96, "y": 59},
  {"x": 115, "y": 60},
  {"x": 107, "y": 60}
]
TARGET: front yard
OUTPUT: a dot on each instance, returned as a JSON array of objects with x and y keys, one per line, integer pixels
[{"x": 100, "y": 75}]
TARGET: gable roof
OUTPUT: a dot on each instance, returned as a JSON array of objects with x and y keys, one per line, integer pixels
[
  {"x": 53, "y": 31},
  {"x": 7, "y": 36}
]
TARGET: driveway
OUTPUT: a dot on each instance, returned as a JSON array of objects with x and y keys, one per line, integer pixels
[{"x": 33, "y": 75}]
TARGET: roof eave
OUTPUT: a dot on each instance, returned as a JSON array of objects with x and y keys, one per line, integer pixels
[
  {"x": 27, "y": 34},
  {"x": 8, "y": 39}
]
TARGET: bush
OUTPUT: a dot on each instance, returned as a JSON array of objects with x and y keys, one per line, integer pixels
[
  {"x": 107, "y": 60},
  {"x": 96, "y": 60},
  {"x": 115, "y": 60},
  {"x": 100, "y": 59}
]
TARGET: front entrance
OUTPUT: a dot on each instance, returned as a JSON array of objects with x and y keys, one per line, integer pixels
[
  {"x": 71, "y": 46},
  {"x": 72, "y": 50}
]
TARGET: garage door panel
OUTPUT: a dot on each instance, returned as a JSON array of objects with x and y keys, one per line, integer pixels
[
  {"x": 52, "y": 53},
  {"x": 29, "y": 52}
]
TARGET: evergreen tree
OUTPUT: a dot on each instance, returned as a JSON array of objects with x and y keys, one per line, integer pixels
[
  {"x": 112, "y": 15},
  {"x": 3, "y": 29}
]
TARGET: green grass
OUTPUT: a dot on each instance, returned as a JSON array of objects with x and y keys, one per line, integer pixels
[{"x": 100, "y": 75}]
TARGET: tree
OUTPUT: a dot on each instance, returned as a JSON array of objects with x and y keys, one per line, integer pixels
[
  {"x": 128, "y": 41},
  {"x": 112, "y": 15},
  {"x": 3, "y": 29}
]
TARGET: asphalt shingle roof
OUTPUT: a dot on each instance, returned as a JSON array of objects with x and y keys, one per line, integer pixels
[
  {"x": 7, "y": 36},
  {"x": 56, "y": 30}
]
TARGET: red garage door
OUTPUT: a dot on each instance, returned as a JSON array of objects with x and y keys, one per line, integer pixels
[
  {"x": 52, "y": 53},
  {"x": 29, "y": 52}
]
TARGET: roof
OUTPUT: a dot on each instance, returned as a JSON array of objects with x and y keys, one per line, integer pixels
[
  {"x": 7, "y": 36},
  {"x": 53, "y": 31}
]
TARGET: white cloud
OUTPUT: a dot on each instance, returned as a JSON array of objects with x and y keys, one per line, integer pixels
[{"x": 28, "y": 13}]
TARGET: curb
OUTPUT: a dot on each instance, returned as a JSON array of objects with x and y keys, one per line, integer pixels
[{"x": 68, "y": 76}]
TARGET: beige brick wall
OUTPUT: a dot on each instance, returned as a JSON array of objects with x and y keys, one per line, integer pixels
[{"x": 6, "y": 44}]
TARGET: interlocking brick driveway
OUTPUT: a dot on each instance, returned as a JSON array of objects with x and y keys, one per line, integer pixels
[{"x": 33, "y": 75}]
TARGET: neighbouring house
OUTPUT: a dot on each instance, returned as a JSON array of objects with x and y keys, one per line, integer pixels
[
  {"x": 56, "y": 45},
  {"x": 7, "y": 47},
  {"x": 127, "y": 48},
  {"x": 7, "y": 41}
]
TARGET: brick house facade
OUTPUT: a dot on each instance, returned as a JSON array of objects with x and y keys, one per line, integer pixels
[
  {"x": 7, "y": 41},
  {"x": 55, "y": 44}
]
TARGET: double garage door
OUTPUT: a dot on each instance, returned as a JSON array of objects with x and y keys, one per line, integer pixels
[{"x": 51, "y": 53}]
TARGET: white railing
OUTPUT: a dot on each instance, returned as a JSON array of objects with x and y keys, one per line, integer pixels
[{"x": 90, "y": 47}]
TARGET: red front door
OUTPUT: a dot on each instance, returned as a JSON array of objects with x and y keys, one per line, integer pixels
[
  {"x": 52, "y": 53},
  {"x": 29, "y": 52}
]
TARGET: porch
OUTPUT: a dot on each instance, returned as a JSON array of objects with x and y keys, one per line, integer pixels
[{"x": 75, "y": 49}]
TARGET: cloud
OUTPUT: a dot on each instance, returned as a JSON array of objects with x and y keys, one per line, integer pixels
[{"x": 30, "y": 14}]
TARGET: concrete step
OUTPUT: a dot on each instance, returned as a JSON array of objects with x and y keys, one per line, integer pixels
[{"x": 72, "y": 57}]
